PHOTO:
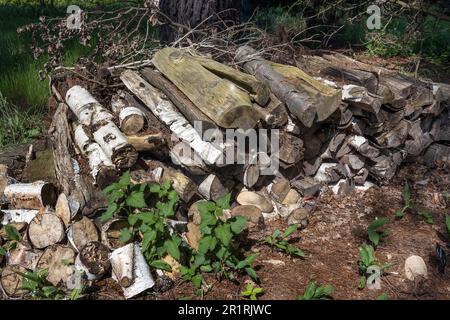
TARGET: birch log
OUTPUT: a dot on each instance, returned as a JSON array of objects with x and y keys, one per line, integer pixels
[
  {"x": 100, "y": 121},
  {"x": 303, "y": 95},
  {"x": 59, "y": 260},
  {"x": 147, "y": 143},
  {"x": 169, "y": 114},
  {"x": 131, "y": 119},
  {"x": 212, "y": 188},
  {"x": 30, "y": 195},
  {"x": 220, "y": 99},
  {"x": 122, "y": 261},
  {"x": 93, "y": 260},
  {"x": 45, "y": 230},
  {"x": 81, "y": 233},
  {"x": 17, "y": 216},
  {"x": 102, "y": 169}
]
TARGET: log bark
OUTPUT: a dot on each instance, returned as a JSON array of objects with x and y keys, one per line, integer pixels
[
  {"x": 167, "y": 112},
  {"x": 152, "y": 143},
  {"x": 122, "y": 261},
  {"x": 17, "y": 216},
  {"x": 179, "y": 99},
  {"x": 304, "y": 96},
  {"x": 93, "y": 260},
  {"x": 131, "y": 119},
  {"x": 221, "y": 100},
  {"x": 78, "y": 188},
  {"x": 45, "y": 230},
  {"x": 30, "y": 195},
  {"x": 100, "y": 121},
  {"x": 102, "y": 169}
]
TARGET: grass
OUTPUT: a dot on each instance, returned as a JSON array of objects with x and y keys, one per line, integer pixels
[{"x": 23, "y": 96}]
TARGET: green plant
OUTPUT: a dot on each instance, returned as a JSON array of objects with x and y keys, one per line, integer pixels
[
  {"x": 383, "y": 296},
  {"x": 218, "y": 251},
  {"x": 447, "y": 223},
  {"x": 12, "y": 237},
  {"x": 374, "y": 232},
  {"x": 315, "y": 292},
  {"x": 278, "y": 240},
  {"x": 252, "y": 292},
  {"x": 366, "y": 260},
  {"x": 36, "y": 285},
  {"x": 135, "y": 201},
  {"x": 408, "y": 203},
  {"x": 426, "y": 216}
]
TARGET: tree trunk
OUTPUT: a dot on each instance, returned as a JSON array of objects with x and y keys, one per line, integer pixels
[{"x": 191, "y": 13}]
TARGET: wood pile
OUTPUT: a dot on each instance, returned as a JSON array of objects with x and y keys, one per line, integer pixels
[{"x": 335, "y": 121}]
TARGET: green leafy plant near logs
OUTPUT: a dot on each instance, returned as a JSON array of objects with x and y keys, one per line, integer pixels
[
  {"x": 218, "y": 252},
  {"x": 36, "y": 285},
  {"x": 13, "y": 237},
  {"x": 279, "y": 240},
  {"x": 316, "y": 292},
  {"x": 409, "y": 205},
  {"x": 374, "y": 232},
  {"x": 367, "y": 259},
  {"x": 150, "y": 224},
  {"x": 252, "y": 292},
  {"x": 149, "y": 208}
]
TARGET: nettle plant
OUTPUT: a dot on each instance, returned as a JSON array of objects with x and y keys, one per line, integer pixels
[
  {"x": 279, "y": 240},
  {"x": 148, "y": 206},
  {"x": 218, "y": 251},
  {"x": 409, "y": 205},
  {"x": 13, "y": 237}
]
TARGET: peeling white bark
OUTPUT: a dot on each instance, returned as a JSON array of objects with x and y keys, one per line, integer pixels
[{"x": 30, "y": 195}]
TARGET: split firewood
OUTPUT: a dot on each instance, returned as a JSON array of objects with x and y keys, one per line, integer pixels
[
  {"x": 17, "y": 216},
  {"x": 251, "y": 213},
  {"x": 179, "y": 99},
  {"x": 142, "y": 277},
  {"x": 82, "y": 232},
  {"x": 59, "y": 261},
  {"x": 102, "y": 169},
  {"x": 360, "y": 97},
  {"x": 249, "y": 174},
  {"x": 212, "y": 188},
  {"x": 77, "y": 187},
  {"x": 64, "y": 210},
  {"x": 183, "y": 185},
  {"x": 45, "y": 230},
  {"x": 254, "y": 199},
  {"x": 131, "y": 119},
  {"x": 303, "y": 95},
  {"x": 279, "y": 189},
  {"x": 93, "y": 260},
  {"x": 30, "y": 195},
  {"x": 167, "y": 112},
  {"x": 328, "y": 173},
  {"x": 110, "y": 232},
  {"x": 152, "y": 143},
  {"x": 395, "y": 137},
  {"x": 11, "y": 281},
  {"x": 290, "y": 148},
  {"x": 220, "y": 99},
  {"x": 100, "y": 121},
  {"x": 24, "y": 256}
]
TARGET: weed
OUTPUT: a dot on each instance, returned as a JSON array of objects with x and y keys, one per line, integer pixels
[
  {"x": 217, "y": 251},
  {"x": 252, "y": 292},
  {"x": 367, "y": 259},
  {"x": 374, "y": 232},
  {"x": 279, "y": 240},
  {"x": 315, "y": 292},
  {"x": 408, "y": 203},
  {"x": 383, "y": 296},
  {"x": 12, "y": 237},
  {"x": 36, "y": 285}
]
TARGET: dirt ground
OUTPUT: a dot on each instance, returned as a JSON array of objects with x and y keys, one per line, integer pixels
[{"x": 331, "y": 240}]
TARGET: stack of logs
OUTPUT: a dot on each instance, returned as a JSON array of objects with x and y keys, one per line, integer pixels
[{"x": 349, "y": 123}]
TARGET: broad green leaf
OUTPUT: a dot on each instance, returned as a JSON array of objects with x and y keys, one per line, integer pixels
[
  {"x": 383, "y": 296},
  {"x": 252, "y": 273},
  {"x": 172, "y": 249},
  {"x": 362, "y": 282},
  {"x": 378, "y": 223},
  {"x": 12, "y": 233},
  {"x": 149, "y": 236},
  {"x": 223, "y": 233},
  {"x": 407, "y": 194},
  {"x": 293, "y": 250},
  {"x": 238, "y": 224},
  {"x": 136, "y": 199},
  {"x": 155, "y": 188},
  {"x": 125, "y": 180},
  {"x": 324, "y": 291},
  {"x": 206, "y": 268},
  {"x": 125, "y": 235},
  {"x": 224, "y": 202},
  {"x": 310, "y": 291},
  {"x": 160, "y": 264},
  {"x": 75, "y": 294},
  {"x": 197, "y": 281},
  {"x": 374, "y": 236},
  {"x": 205, "y": 244},
  {"x": 290, "y": 230},
  {"x": 2, "y": 251},
  {"x": 400, "y": 213},
  {"x": 110, "y": 189},
  {"x": 109, "y": 213}
]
